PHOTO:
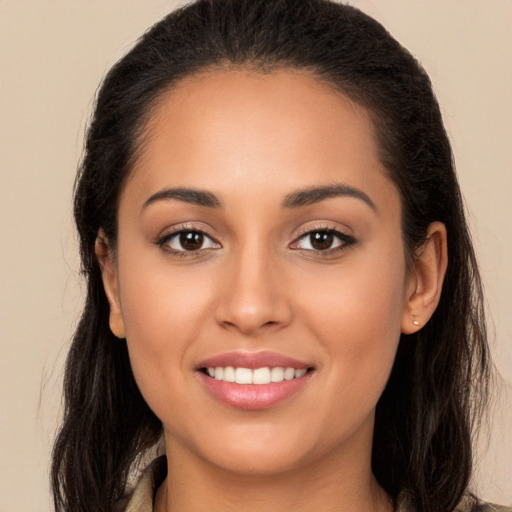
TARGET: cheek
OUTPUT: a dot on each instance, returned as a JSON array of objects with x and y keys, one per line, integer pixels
[
  {"x": 163, "y": 310},
  {"x": 356, "y": 316},
  {"x": 364, "y": 294}
]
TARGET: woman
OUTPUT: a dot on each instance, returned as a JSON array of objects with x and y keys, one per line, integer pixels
[{"x": 280, "y": 277}]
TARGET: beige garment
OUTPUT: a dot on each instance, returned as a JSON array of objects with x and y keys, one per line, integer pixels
[{"x": 142, "y": 497}]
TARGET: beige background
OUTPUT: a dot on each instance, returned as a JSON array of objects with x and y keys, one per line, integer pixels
[{"x": 52, "y": 57}]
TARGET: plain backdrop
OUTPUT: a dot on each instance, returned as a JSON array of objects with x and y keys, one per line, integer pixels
[{"x": 53, "y": 55}]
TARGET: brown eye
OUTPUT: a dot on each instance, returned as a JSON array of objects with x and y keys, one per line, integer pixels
[
  {"x": 191, "y": 240},
  {"x": 187, "y": 241},
  {"x": 321, "y": 240},
  {"x": 324, "y": 241}
]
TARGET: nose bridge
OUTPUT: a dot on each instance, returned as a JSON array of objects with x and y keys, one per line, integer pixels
[{"x": 253, "y": 297}]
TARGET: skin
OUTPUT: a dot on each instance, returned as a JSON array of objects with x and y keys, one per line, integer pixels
[{"x": 252, "y": 139}]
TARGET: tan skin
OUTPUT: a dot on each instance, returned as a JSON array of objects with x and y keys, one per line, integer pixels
[{"x": 258, "y": 280}]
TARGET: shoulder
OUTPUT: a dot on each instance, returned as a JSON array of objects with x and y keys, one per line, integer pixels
[
  {"x": 143, "y": 494},
  {"x": 471, "y": 504},
  {"x": 468, "y": 504},
  {"x": 490, "y": 507}
]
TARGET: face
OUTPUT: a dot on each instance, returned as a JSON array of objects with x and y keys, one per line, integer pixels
[{"x": 259, "y": 241}]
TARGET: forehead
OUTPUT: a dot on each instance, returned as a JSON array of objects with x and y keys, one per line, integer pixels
[
  {"x": 243, "y": 128},
  {"x": 238, "y": 102}
]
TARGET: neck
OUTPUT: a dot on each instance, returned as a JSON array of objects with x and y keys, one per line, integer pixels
[{"x": 334, "y": 483}]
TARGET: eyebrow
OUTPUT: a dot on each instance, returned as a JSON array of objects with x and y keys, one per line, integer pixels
[
  {"x": 296, "y": 199},
  {"x": 317, "y": 194},
  {"x": 186, "y": 195}
]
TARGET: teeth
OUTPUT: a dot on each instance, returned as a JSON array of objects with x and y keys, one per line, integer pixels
[
  {"x": 277, "y": 374},
  {"x": 243, "y": 376},
  {"x": 229, "y": 374},
  {"x": 289, "y": 373},
  {"x": 263, "y": 375}
]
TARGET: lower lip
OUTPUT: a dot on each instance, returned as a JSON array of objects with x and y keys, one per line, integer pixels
[{"x": 253, "y": 396}]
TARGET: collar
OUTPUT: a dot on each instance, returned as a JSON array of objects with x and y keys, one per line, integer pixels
[{"x": 143, "y": 495}]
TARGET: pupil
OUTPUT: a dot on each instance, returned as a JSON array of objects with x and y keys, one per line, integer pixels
[
  {"x": 191, "y": 241},
  {"x": 321, "y": 240}
]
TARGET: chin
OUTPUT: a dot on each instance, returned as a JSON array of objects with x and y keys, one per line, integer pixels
[
  {"x": 248, "y": 449},
  {"x": 254, "y": 461}
]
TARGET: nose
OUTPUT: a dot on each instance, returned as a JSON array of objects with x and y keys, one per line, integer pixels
[{"x": 253, "y": 299}]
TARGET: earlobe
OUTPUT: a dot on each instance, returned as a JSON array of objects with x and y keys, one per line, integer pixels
[
  {"x": 426, "y": 279},
  {"x": 110, "y": 284}
]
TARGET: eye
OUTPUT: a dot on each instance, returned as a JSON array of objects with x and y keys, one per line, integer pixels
[
  {"x": 187, "y": 240},
  {"x": 323, "y": 240}
]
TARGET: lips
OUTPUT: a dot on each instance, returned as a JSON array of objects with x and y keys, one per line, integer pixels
[
  {"x": 253, "y": 380},
  {"x": 253, "y": 360}
]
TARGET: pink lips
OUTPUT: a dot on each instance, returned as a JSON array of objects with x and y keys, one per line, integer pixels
[
  {"x": 252, "y": 360},
  {"x": 252, "y": 396}
]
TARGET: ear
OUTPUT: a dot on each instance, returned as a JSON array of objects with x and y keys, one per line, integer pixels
[
  {"x": 425, "y": 280},
  {"x": 108, "y": 268}
]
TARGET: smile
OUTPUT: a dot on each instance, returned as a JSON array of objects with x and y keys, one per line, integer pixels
[
  {"x": 253, "y": 380},
  {"x": 258, "y": 376}
]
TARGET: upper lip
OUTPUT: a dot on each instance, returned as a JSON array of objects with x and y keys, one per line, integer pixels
[{"x": 253, "y": 360}]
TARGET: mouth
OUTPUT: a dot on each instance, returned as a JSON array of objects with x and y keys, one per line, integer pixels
[{"x": 254, "y": 380}]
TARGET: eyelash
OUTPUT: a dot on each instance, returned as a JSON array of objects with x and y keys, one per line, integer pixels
[
  {"x": 345, "y": 241},
  {"x": 164, "y": 240}
]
